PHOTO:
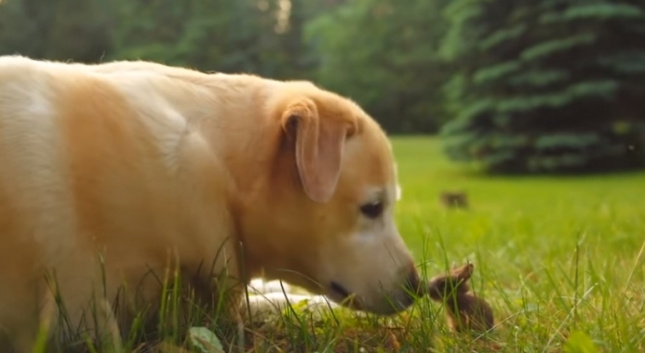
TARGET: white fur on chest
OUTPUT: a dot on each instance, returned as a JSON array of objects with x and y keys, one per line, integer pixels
[{"x": 267, "y": 299}]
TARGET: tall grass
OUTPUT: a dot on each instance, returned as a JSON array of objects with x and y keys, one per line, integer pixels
[
  {"x": 553, "y": 255},
  {"x": 559, "y": 259}
]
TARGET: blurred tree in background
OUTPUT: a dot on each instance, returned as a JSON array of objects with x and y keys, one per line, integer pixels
[
  {"x": 218, "y": 35},
  {"x": 514, "y": 85},
  {"x": 546, "y": 85},
  {"x": 384, "y": 55},
  {"x": 80, "y": 30}
]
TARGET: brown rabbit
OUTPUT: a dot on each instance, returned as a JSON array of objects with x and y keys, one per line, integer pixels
[
  {"x": 454, "y": 199},
  {"x": 464, "y": 311}
]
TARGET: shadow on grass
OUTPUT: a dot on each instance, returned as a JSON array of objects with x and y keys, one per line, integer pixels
[{"x": 296, "y": 328}]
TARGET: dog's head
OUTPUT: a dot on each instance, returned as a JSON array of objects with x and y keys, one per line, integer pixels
[{"x": 327, "y": 223}]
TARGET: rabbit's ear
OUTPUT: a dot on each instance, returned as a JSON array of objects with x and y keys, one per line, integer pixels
[{"x": 466, "y": 271}]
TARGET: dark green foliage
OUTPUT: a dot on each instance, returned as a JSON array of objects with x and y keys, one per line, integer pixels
[
  {"x": 226, "y": 36},
  {"x": 378, "y": 52},
  {"x": 546, "y": 85},
  {"x": 43, "y": 29},
  {"x": 384, "y": 55},
  {"x": 215, "y": 35},
  {"x": 514, "y": 85}
]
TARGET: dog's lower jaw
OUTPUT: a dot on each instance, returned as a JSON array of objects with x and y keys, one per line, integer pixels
[
  {"x": 339, "y": 291},
  {"x": 392, "y": 307}
]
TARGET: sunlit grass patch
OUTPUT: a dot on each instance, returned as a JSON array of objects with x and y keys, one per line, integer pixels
[{"x": 560, "y": 260}]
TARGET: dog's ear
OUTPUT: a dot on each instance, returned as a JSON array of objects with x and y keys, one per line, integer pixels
[{"x": 318, "y": 148}]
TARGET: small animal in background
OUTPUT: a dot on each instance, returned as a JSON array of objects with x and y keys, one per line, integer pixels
[
  {"x": 464, "y": 311},
  {"x": 454, "y": 199}
]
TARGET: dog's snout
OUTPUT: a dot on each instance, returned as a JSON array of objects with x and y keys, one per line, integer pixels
[{"x": 413, "y": 284}]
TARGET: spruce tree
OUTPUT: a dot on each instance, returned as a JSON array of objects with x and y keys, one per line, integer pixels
[{"x": 546, "y": 85}]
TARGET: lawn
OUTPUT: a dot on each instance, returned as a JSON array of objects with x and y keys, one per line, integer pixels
[
  {"x": 552, "y": 255},
  {"x": 559, "y": 259}
]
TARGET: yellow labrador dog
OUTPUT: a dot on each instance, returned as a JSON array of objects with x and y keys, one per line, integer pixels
[{"x": 110, "y": 172}]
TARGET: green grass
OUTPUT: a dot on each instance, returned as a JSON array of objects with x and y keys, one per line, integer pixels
[
  {"x": 559, "y": 259},
  {"x": 553, "y": 255}
]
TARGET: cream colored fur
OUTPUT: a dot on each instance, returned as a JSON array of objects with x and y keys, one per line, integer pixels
[{"x": 112, "y": 171}]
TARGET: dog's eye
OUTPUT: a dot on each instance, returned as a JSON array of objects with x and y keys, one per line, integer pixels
[{"x": 372, "y": 210}]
